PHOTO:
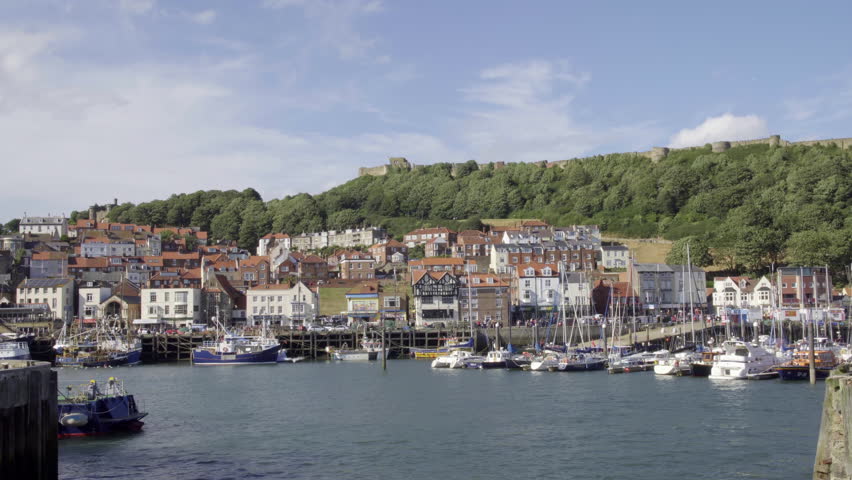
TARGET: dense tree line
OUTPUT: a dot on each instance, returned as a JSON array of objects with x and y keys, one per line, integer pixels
[{"x": 750, "y": 206}]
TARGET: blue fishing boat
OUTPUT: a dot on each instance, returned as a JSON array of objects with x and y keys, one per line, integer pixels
[
  {"x": 237, "y": 350},
  {"x": 86, "y": 410},
  {"x": 104, "y": 354}
]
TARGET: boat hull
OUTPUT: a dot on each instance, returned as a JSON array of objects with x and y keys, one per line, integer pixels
[
  {"x": 701, "y": 369},
  {"x": 801, "y": 373},
  {"x": 103, "y": 416},
  {"x": 133, "y": 357},
  {"x": 267, "y": 356},
  {"x": 583, "y": 367}
]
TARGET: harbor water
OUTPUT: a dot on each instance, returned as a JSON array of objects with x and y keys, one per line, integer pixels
[{"x": 352, "y": 420}]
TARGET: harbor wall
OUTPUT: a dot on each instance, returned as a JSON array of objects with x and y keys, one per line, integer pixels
[
  {"x": 834, "y": 453},
  {"x": 28, "y": 422}
]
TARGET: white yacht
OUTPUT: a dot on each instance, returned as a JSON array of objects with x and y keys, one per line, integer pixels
[
  {"x": 455, "y": 359},
  {"x": 546, "y": 363},
  {"x": 14, "y": 351},
  {"x": 741, "y": 359},
  {"x": 677, "y": 364}
]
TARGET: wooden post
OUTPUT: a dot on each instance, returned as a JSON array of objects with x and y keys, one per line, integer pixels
[{"x": 811, "y": 359}]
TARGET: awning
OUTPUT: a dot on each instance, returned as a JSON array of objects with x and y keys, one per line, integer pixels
[{"x": 147, "y": 321}]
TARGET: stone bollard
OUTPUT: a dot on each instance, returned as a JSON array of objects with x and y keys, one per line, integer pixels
[{"x": 834, "y": 456}]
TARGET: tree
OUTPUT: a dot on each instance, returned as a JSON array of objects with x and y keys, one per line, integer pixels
[
  {"x": 699, "y": 253},
  {"x": 191, "y": 243},
  {"x": 12, "y": 225},
  {"x": 417, "y": 252},
  {"x": 167, "y": 236}
]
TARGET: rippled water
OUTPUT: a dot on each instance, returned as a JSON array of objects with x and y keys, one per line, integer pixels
[{"x": 326, "y": 420}]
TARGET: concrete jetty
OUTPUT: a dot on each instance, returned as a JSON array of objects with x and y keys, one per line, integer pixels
[
  {"x": 28, "y": 421},
  {"x": 834, "y": 452}
]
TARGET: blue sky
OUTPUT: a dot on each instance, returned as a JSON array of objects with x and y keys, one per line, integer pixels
[{"x": 138, "y": 99}]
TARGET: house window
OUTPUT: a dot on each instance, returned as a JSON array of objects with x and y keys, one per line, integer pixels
[
  {"x": 427, "y": 300},
  {"x": 167, "y": 310},
  {"x": 153, "y": 297},
  {"x": 527, "y": 283},
  {"x": 180, "y": 309},
  {"x": 166, "y": 297},
  {"x": 254, "y": 309},
  {"x": 180, "y": 297},
  {"x": 88, "y": 312},
  {"x": 152, "y": 310},
  {"x": 446, "y": 299},
  {"x": 88, "y": 297}
]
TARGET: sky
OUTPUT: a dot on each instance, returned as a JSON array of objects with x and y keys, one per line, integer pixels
[{"x": 140, "y": 99}]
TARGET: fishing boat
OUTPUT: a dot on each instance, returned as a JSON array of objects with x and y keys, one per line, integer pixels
[
  {"x": 14, "y": 350},
  {"x": 799, "y": 367},
  {"x": 237, "y": 350},
  {"x": 741, "y": 359},
  {"x": 106, "y": 353},
  {"x": 85, "y": 410},
  {"x": 371, "y": 349}
]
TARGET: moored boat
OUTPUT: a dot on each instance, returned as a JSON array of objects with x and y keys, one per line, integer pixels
[
  {"x": 450, "y": 344},
  {"x": 702, "y": 366},
  {"x": 237, "y": 350},
  {"x": 581, "y": 362},
  {"x": 14, "y": 350},
  {"x": 86, "y": 410},
  {"x": 741, "y": 359},
  {"x": 799, "y": 367}
]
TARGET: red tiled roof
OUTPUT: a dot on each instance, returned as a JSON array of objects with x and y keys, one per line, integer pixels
[{"x": 537, "y": 268}]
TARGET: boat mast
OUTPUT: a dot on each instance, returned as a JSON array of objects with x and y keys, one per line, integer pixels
[
  {"x": 691, "y": 287},
  {"x": 562, "y": 308}
]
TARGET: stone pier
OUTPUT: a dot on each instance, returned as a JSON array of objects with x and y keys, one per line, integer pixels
[
  {"x": 28, "y": 421},
  {"x": 834, "y": 455}
]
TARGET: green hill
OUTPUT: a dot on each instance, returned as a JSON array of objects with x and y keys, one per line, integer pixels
[{"x": 754, "y": 205}]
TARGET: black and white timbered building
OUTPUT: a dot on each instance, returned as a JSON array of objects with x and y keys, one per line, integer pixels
[{"x": 436, "y": 298}]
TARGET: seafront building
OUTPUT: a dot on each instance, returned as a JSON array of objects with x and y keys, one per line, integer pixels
[
  {"x": 522, "y": 270},
  {"x": 281, "y": 304}
]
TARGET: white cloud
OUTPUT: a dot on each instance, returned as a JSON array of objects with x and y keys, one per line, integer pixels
[
  {"x": 525, "y": 112},
  {"x": 723, "y": 127},
  {"x": 136, "y": 7},
  {"x": 205, "y": 17},
  {"x": 86, "y": 133},
  {"x": 334, "y": 25}
]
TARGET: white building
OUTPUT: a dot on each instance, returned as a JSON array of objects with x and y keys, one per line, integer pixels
[
  {"x": 271, "y": 239},
  {"x": 741, "y": 292},
  {"x": 615, "y": 256},
  {"x": 577, "y": 290},
  {"x": 281, "y": 304},
  {"x": 176, "y": 307},
  {"x": 90, "y": 296},
  {"x": 56, "y": 293},
  {"x": 57, "y": 226},
  {"x": 538, "y": 286},
  {"x": 108, "y": 248}
]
